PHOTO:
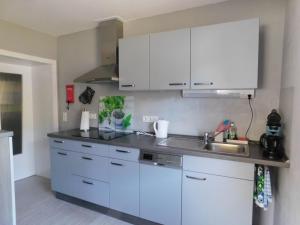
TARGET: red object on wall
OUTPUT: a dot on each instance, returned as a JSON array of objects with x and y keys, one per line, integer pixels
[{"x": 70, "y": 93}]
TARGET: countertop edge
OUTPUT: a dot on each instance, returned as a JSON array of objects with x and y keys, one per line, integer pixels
[
  {"x": 285, "y": 163},
  {"x": 4, "y": 133}
]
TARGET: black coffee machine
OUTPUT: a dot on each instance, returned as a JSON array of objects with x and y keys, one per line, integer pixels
[{"x": 272, "y": 140}]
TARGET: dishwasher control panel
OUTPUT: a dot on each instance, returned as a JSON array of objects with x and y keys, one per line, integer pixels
[{"x": 160, "y": 159}]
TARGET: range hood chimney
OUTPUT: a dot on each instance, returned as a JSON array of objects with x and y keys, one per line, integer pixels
[{"x": 109, "y": 33}]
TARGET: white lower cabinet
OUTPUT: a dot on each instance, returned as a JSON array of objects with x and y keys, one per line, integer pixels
[
  {"x": 216, "y": 200},
  {"x": 124, "y": 186}
]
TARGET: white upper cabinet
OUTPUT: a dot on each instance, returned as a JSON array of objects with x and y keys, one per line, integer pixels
[
  {"x": 170, "y": 60},
  {"x": 225, "y": 56},
  {"x": 134, "y": 63}
]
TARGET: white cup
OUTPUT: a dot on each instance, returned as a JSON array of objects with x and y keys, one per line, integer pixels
[{"x": 161, "y": 128}]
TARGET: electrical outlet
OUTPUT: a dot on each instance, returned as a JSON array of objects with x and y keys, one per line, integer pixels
[
  {"x": 65, "y": 116},
  {"x": 150, "y": 119},
  {"x": 93, "y": 116}
]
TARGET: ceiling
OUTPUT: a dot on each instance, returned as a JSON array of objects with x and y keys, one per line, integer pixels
[{"x": 59, "y": 17}]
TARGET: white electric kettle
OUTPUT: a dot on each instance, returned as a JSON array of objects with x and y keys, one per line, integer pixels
[{"x": 161, "y": 128}]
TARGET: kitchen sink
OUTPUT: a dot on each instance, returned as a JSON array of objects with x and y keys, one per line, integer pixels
[
  {"x": 195, "y": 144},
  {"x": 225, "y": 148}
]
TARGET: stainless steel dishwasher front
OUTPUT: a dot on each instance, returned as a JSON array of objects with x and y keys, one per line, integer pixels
[{"x": 160, "y": 187}]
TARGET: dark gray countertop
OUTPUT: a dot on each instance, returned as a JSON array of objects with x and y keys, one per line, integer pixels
[
  {"x": 4, "y": 133},
  {"x": 151, "y": 144}
]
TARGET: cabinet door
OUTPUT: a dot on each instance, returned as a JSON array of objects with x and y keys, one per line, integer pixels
[
  {"x": 124, "y": 186},
  {"x": 134, "y": 63},
  {"x": 170, "y": 60},
  {"x": 61, "y": 171},
  {"x": 225, "y": 56},
  {"x": 216, "y": 200}
]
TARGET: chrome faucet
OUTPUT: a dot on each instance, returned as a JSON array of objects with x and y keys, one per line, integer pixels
[{"x": 207, "y": 138}]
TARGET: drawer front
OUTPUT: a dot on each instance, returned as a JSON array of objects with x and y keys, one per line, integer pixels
[
  {"x": 219, "y": 167},
  {"x": 80, "y": 146},
  {"x": 90, "y": 190},
  {"x": 92, "y": 148},
  {"x": 90, "y": 166},
  {"x": 61, "y": 143},
  {"x": 129, "y": 154}
]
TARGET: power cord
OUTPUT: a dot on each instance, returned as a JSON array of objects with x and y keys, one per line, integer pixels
[{"x": 251, "y": 109}]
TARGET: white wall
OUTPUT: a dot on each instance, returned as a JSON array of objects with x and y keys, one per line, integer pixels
[
  {"x": 288, "y": 201},
  {"x": 45, "y": 113},
  {"x": 24, "y": 163},
  {"x": 79, "y": 53}
]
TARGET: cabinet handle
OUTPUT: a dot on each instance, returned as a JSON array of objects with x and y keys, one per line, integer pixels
[
  {"x": 116, "y": 164},
  {"x": 61, "y": 153},
  {"x": 87, "y": 182},
  {"x": 196, "y": 178},
  {"x": 60, "y": 142},
  {"x": 86, "y": 158},
  {"x": 127, "y": 85},
  {"x": 122, "y": 151},
  {"x": 86, "y": 146},
  {"x": 177, "y": 84},
  {"x": 203, "y": 83}
]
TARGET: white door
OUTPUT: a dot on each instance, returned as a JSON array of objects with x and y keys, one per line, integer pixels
[
  {"x": 134, "y": 63},
  {"x": 170, "y": 60},
  {"x": 225, "y": 56},
  {"x": 124, "y": 186},
  {"x": 216, "y": 200}
]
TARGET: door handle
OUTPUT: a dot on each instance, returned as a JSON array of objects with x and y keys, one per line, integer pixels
[
  {"x": 127, "y": 85},
  {"x": 122, "y": 151},
  {"x": 87, "y": 182},
  {"x": 203, "y": 83},
  {"x": 62, "y": 153},
  {"x": 57, "y": 141},
  {"x": 116, "y": 164},
  {"x": 86, "y": 146},
  {"x": 177, "y": 84},
  {"x": 196, "y": 178},
  {"x": 86, "y": 158}
]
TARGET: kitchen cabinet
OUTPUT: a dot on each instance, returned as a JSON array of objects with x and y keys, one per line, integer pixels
[
  {"x": 134, "y": 63},
  {"x": 170, "y": 60},
  {"x": 215, "y": 195},
  {"x": 61, "y": 170},
  {"x": 124, "y": 186},
  {"x": 225, "y": 56},
  {"x": 7, "y": 184}
]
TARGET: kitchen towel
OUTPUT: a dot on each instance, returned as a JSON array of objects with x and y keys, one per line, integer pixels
[
  {"x": 85, "y": 121},
  {"x": 263, "y": 187}
]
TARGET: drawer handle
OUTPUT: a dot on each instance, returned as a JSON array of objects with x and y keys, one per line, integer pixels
[
  {"x": 127, "y": 85},
  {"x": 87, "y": 182},
  {"x": 116, "y": 164},
  {"x": 196, "y": 178},
  {"x": 86, "y": 146},
  {"x": 122, "y": 151},
  {"x": 86, "y": 158},
  {"x": 62, "y": 153},
  {"x": 60, "y": 142},
  {"x": 203, "y": 83},
  {"x": 177, "y": 84}
]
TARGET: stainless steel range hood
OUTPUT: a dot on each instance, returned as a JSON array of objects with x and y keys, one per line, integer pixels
[{"x": 109, "y": 33}]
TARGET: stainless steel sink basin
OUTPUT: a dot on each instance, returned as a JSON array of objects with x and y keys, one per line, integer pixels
[{"x": 226, "y": 148}]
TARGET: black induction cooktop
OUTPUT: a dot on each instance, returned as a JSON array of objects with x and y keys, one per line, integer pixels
[{"x": 101, "y": 134}]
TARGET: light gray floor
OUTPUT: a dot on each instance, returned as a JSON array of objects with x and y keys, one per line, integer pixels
[{"x": 36, "y": 205}]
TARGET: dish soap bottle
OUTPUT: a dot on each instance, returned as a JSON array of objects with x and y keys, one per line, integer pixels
[{"x": 232, "y": 132}]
